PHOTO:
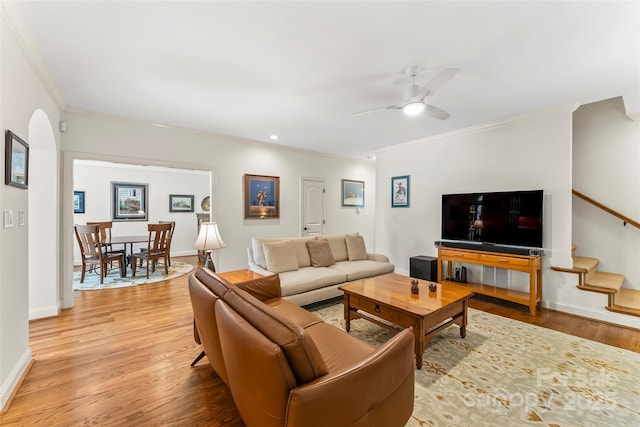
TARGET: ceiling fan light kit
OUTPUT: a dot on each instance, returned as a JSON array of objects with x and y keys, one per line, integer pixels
[{"x": 413, "y": 108}]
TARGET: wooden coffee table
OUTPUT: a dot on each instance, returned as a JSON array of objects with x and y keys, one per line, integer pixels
[{"x": 389, "y": 297}]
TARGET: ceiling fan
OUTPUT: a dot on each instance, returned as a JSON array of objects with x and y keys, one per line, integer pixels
[{"x": 414, "y": 103}]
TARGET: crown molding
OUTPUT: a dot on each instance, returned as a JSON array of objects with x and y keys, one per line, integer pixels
[
  {"x": 27, "y": 45},
  {"x": 510, "y": 121}
]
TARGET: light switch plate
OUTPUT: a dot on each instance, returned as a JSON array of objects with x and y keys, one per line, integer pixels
[
  {"x": 7, "y": 219},
  {"x": 21, "y": 218}
]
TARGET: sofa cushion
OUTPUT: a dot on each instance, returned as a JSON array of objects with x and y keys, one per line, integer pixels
[
  {"x": 356, "y": 270},
  {"x": 320, "y": 253},
  {"x": 338, "y": 247},
  {"x": 280, "y": 256},
  {"x": 302, "y": 354},
  {"x": 356, "y": 250},
  {"x": 309, "y": 278},
  {"x": 258, "y": 251}
]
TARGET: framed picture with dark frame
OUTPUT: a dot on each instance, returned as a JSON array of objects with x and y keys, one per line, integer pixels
[
  {"x": 16, "y": 161},
  {"x": 180, "y": 203},
  {"x": 352, "y": 193},
  {"x": 261, "y": 197},
  {"x": 78, "y": 202},
  {"x": 400, "y": 191},
  {"x": 129, "y": 201}
]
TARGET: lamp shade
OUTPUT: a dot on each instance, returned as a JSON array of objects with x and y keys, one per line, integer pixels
[{"x": 209, "y": 237}]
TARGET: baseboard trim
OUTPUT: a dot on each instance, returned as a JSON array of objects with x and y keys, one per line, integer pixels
[
  {"x": 595, "y": 314},
  {"x": 15, "y": 379},
  {"x": 40, "y": 313}
]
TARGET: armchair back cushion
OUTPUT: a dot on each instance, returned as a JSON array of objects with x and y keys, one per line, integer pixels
[
  {"x": 301, "y": 352},
  {"x": 205, "y": 325},
  {"x": 259, "y": 375}
]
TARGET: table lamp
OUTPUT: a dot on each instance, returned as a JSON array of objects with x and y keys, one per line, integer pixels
[{"x": 208, "y": 239}]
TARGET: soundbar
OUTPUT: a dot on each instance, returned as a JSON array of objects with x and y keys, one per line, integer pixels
[{"x": 490, "y": 247}]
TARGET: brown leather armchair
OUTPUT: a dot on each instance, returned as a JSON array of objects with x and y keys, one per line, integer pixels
[{"x": 285, "y": 367}]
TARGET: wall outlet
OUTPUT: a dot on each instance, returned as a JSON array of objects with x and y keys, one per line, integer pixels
[{"x": 7, "y": 219}]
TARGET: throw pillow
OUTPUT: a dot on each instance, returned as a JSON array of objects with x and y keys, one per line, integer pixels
[
  {"x": 320, "y": 253},
  {"x": 280, "y": 256},
  {"x": 356, "y": 248}
]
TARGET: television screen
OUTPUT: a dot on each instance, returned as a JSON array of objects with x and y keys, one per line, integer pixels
[{"x": 506, "y": 218}]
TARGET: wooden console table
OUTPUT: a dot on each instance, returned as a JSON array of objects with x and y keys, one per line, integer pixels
[{"x": 525, "y": 263}]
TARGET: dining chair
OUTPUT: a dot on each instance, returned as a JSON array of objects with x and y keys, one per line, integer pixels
[
  {"x": 169, "y": 239},
  {"x": 156, "y": 249},
  {"x": 94, "y": 252},
  {"x": 105, "y": 233}
]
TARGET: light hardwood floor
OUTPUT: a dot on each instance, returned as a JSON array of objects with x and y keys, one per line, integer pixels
[{"x": 121, "y": 357}]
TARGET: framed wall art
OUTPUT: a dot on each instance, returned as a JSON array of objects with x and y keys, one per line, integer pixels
[
  {"x": 400, "y": 191},
  {"x": 261, "y": 197},
  {"x": 129, "y": 201},
  {"x": 352, "y": 193},
  {"x": 78, "y": 202},
  {"x": 180, "y": 203},
  {"x": 16, "y": 167}
]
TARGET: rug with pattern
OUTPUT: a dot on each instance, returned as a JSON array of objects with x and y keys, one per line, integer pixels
[{"x": 511, "y": 373}]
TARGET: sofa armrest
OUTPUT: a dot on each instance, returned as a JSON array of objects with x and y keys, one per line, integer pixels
[
  {"x": 377, "y": 257},
  {"x": 385, "y": 378},
  {"x": 255, "y": 267}
]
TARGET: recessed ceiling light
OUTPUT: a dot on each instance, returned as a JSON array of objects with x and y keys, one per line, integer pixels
[{"x": 273, "y": 137}]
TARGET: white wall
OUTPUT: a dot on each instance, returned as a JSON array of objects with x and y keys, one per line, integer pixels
[
  {"x": 95, "y": 177},
  {"x": 606, "y": 159},
  {"x": 525, "y": 153},
  {"x": 21, "y": 95},
  {"x": 92, "y": 136}
]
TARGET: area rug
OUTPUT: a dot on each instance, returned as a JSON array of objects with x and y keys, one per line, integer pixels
[
  {"x": 509, "y": 373},
  {"x": 113, "y": 279}
]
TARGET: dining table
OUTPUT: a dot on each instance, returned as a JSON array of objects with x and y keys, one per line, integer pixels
[{"x": 129, "y": 240}]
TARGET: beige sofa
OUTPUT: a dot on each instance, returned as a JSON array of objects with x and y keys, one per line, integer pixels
[{"x": 307, "y": 272}]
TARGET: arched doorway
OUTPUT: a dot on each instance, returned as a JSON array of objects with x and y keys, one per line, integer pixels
[{"x": 42, "y": 221}]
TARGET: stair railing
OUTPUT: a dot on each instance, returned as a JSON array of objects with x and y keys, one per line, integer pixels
[{"x": 625, "y": 219}]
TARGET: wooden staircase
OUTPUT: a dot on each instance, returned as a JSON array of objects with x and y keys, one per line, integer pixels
[{"x": 621, "y": 300}]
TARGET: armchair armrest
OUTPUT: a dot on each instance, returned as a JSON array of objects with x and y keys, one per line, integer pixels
[{"x": 384, "y": 379}]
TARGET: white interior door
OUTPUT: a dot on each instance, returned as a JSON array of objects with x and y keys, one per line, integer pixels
[{"x": 313, "y": 194}]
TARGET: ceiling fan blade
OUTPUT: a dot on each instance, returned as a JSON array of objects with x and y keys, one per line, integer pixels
[
  {"x": 436, "y": 82},
  {"x": 437, "y": 113},
  {"x": 390, "y": 107}
]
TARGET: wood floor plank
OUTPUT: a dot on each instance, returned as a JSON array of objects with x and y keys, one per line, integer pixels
[{"x": 121, "y": 357}]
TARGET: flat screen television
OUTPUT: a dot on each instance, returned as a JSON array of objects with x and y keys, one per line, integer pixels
[{"x": 511, "y": 218}]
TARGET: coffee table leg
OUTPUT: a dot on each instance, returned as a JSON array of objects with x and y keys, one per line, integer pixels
[
  {"x": 347, "y": 316},
  {"x": 418, "y": 344},
  {"x": 463, "y": 325}
]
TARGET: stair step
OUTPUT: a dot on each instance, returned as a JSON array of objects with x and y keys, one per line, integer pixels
[
  {"x": 629, "y": 298},
  {"x": 599, "y": 279},
  {"x": 585, "y": 263}
]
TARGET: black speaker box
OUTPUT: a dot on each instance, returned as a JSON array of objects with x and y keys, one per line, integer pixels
[{"x": 424, "y": 267}]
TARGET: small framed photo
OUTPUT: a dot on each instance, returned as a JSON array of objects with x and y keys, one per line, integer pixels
[
  {"x": 180, "y": 203},
  {"x": 261, "y": 197},
  {"x": 352, "y": 193},
  {"x": 129, "y": 201},
  {"x": 16, "y": 168},
  {"x": 400, "y": 191},
  {"x": 78, "y": 202}
]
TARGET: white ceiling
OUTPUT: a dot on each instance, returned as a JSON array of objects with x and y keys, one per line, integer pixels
[{"x": 302, "y": 69}]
